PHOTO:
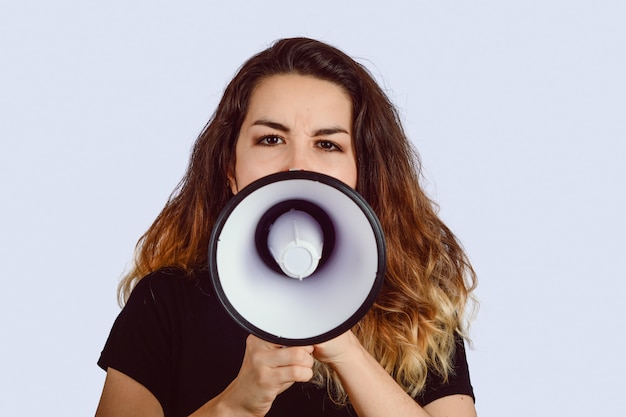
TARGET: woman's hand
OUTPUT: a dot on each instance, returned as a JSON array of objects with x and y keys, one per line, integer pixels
[
  {"x": 337, "y": 350},
  {"x": 266, "y": 371}
]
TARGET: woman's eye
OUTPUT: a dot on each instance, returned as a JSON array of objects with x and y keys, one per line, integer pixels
[
  {"x": 270, "y": 140},
  {"x": 328, "y": 146}
]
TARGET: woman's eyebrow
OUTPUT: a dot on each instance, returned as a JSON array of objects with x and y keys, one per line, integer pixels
[
  {"x": 319, "y": 132},
  {"x": 271, "y": 124},
  {"x": 330, "y": 131}
]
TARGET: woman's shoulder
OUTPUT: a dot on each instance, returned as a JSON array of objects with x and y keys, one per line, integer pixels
[
  {"x": 172, "y": 286},
  {"x": 173, "y": 278},
  {"x": 457, "y": 382}
]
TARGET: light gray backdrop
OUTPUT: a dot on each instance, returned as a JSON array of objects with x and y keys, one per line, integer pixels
[{"x": 517, "y": 108}]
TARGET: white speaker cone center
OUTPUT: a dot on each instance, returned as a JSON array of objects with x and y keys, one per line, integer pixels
[{"x": 296, "y": 241}]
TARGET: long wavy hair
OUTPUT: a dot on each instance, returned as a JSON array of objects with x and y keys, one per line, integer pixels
[{"x": 424, "y": 300}]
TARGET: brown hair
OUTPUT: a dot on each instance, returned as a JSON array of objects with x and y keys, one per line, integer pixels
[{"x": 422, "y": 303}]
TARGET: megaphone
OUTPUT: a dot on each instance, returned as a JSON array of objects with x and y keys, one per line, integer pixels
[{"x": 297, "y": 257}]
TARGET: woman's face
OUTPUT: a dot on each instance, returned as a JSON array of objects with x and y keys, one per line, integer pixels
[{"x": 295, "y": 122}]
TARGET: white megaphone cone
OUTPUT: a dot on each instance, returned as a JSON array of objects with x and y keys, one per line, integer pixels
[{"x": 297, "y": 258}]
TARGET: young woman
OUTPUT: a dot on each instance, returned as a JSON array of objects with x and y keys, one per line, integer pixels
[{"x": 174, "y": 351}]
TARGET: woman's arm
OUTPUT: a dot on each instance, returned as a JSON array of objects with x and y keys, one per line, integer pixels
[
  {"x": 373, "y": 392},
  {"x": 123, "y": 396}
]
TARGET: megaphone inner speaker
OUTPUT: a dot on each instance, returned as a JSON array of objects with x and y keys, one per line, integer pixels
[
  {"x": 257, "y": 293},
  {"x": 293, "y": 211}
]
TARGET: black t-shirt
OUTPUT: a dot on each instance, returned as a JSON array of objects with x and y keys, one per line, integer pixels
[{"x": 174, "y": 337}]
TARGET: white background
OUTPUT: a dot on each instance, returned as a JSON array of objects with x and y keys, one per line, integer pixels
[{"x": 518, "y": 109}]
